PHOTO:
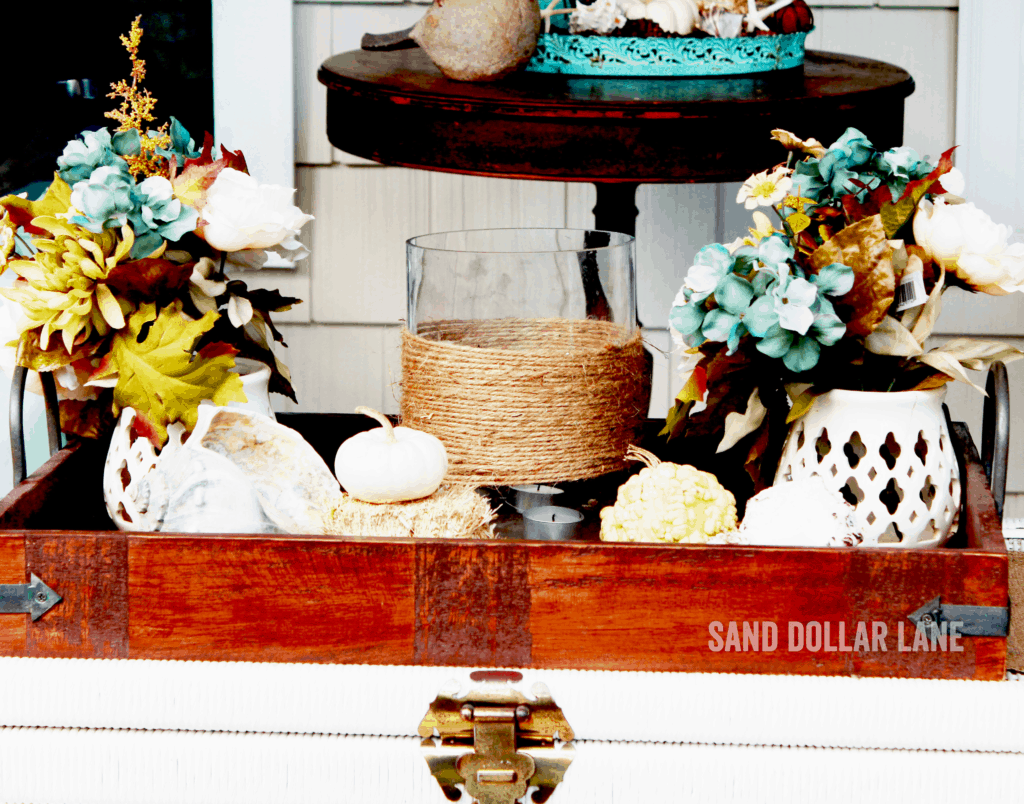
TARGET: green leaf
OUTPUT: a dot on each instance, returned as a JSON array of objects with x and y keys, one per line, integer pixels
[
  {"x": 803, "y": 403},
  {"x": 676, "y": 419},
  {"x": 798, "y": 221},
  {"x": 157, "y": 374},
  {"x": 895, "y": 215},
  {"x": 56, "y": 199}
]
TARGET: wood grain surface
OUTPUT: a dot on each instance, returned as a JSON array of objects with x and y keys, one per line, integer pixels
[
  {"x": 473, "y": 604},
  {"x": 586, "y": 605},
  {"x": 270, "y": 599},
  {"x": 90, "y": 573},
  {"x": 13, "y": 627},
  {"x": 580, "y": 128}
]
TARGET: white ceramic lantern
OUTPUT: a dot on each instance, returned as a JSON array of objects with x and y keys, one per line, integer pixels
[{"x": 889, "y": 455}]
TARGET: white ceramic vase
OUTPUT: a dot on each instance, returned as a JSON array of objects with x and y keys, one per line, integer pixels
[
  {"x": 130, "y": 458},
  {"x": 889, "y": 455}
]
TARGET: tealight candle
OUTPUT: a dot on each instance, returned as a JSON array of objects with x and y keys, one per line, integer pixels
[
  {"x": 552, "y": 523},
  {"x": 530, "y": 496}
]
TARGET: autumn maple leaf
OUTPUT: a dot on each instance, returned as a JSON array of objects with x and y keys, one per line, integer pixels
[{"x": 158, "y": 375}]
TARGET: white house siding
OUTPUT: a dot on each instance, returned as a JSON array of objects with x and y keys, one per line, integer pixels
[{"x": 345, "y": 337}]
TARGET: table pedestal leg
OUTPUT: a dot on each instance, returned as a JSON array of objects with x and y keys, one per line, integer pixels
[{"x": 615, "y": 210}]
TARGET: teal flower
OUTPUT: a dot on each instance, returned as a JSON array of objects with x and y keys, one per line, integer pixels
[
  {"x": 712, "y": 264},
  {"x": 827, "y": 328},
  {"x": 793, "y": 297},
  {"x": 851, "y": 150},
  {"x": 737, "y": 313},
  {"x": 835, "y": 279},
  {"x": 807, "y": 181},
  {"x": 798, "y": 352},
  {"x": 900, "y": 163},
  {"x": 182, "y": 145},
  {"x": 838, "y": 167},
  {"x": 774, "y": 253},
  {"x": 159, "y": 211},
  {"x": 899, "y": 167},
  {"x": 96, "y": 149},
  {"x": 104, "y": 199},
  {"x": 686, "y": 317}
]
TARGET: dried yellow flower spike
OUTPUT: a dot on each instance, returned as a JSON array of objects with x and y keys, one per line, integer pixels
[{"x": 136, "y": 111}]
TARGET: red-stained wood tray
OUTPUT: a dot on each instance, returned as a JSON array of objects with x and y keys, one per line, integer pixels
[{"x": 503, "y": 603}]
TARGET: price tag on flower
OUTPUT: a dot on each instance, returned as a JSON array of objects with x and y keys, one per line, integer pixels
[{"x": 837, "y": 286}]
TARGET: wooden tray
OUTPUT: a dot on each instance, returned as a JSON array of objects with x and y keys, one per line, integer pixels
[{"x": 585, "y": 605}]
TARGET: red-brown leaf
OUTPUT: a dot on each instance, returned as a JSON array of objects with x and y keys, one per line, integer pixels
[{"x": 149, "y": 279}]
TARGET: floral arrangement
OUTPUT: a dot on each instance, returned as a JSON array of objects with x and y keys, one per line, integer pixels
[
  {"x": 840, "y": 291},
  {"x": 121, "y": 291}
]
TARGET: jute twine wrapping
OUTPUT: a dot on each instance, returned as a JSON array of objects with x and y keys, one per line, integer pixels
[{"x": 525, "y": 400}]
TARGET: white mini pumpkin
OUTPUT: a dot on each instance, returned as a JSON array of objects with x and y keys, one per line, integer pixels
[{"x": 390, "y": 464}]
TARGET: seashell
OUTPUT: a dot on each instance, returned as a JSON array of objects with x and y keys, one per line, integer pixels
[
  {"x": 294, "y": 485},
  {"x": 240, "y": 472},
  {"x": 198, "y": 491},
  {"x": 478, "y": 40},
  {"x": 601, "y": 16},
  {"x": 823, "y": 518},
  {"x": 672, "y": 16}
]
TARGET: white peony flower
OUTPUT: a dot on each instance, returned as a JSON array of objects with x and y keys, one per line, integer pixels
[
  {"x": 242, "y": 214},
  {"x": 968, "y": 244},
  {"x": 953, "y": 182}
]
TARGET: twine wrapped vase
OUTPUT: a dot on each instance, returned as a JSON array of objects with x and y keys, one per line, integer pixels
[
  {"x": 522, "y": 353},
  {"x": 889, "y": 455}
]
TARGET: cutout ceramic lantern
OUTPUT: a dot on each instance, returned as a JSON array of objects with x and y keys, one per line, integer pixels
[{"x": 889, "y": 455}]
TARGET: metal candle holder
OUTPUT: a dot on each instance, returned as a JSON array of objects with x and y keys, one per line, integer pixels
[
  {"x": 552, "y": 523},
  {"x": 533, "y": 495}
]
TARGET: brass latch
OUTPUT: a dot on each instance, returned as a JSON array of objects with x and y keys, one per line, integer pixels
[{"x": 496, "y": 741}]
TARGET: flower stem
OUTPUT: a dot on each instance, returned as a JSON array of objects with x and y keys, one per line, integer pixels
[{"x": 30, "y": 249}]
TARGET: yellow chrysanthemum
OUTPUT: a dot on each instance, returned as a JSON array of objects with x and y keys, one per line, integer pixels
[
  {"x": 7, "y": 231},
  {"x": 64, "y": 289}
]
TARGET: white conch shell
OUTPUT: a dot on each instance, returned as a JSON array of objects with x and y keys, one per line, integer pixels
[
  {"x": 601, "y": 16},
  {"x": 672, "y": 16},
  {"x": 198, "y": 491},
  {"x": 265, "y": 475},
  {"x": 294, "y": 485},
  {"x": 476, "y": 40}
]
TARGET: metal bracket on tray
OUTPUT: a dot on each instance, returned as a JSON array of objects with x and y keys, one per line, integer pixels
[
  {"x": 35, "y": 598},
  {"x": 18, "y": 382},
  {"x": 995, "y": 432},
  {"x": 970, "y": 620}
]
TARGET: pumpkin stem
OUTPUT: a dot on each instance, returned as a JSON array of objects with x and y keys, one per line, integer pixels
[
  {"x": 389, "y": 431},
  {"x": 634, "y": 453}
]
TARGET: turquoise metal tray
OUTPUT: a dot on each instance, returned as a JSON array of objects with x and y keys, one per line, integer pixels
[{"x": 687, "y": 56}]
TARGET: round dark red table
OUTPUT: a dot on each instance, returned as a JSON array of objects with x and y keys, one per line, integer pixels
[{"x": 396, "y": 108}]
